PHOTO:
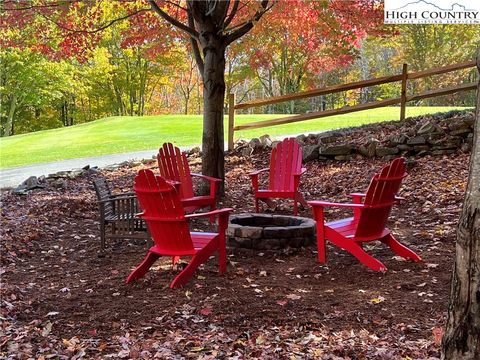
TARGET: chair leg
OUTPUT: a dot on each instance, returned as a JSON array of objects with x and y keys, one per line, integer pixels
[
  {"x": 321, "y": 244},
  {"x": 222, "y": 255},
  {"x": 212, "y": 217},
  {"x": 199, "y": 258},
  {"x": 295, "y": 207},
  {"x": 143, "y": 268},
  {"x": 257, "y": 206},
  {"x": 356, "y": 250},
  {"x": 400, "y": 249},
  {"x": 102, "y": 236},
  {"x": 270, "y": 203},
  {"x": 175, "y": 260},
  {"x": 302, "y": 200}
]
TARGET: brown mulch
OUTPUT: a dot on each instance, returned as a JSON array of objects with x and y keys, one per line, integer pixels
[{"x": 60, "y": 300}]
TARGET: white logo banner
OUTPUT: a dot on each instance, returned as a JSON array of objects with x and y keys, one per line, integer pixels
[{"x": 432, "y": 12}]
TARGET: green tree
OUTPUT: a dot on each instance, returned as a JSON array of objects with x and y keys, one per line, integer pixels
[{"x": 29, "y": 83}]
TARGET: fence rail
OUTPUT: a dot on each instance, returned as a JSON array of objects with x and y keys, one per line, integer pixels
[{"x": 404, "y": 76}]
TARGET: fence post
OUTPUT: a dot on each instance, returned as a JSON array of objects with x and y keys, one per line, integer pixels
[
  {"x": 403, "y": 94},
  {"x": 231, "y": 119}
]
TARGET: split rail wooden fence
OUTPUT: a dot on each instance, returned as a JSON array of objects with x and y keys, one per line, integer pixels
[{"x": 402, "y": 100}]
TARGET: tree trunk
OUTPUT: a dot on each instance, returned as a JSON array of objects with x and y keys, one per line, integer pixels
[
  {"x": 11, "y": 115},
  {"x": 462, "y": 333},
  {"x": 213, "y": 95},
  {"x": 187, "y": 98}
]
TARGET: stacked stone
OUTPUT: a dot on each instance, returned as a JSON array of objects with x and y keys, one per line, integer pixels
[
  {"x": 440, "y": 134},
  {"x": 270, "y": 232}
]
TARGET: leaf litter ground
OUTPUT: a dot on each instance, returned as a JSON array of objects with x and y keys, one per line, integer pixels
[{"x": 60, "y": 300}]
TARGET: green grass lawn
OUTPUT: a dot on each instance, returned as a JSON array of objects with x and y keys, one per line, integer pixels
[{"x": 130, "y": 133}]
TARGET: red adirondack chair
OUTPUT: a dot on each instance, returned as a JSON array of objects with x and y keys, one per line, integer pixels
[
  {"x": 165, "y": 217},
  {"x": 369, "y": 219},
  {"x": 173, "y": 166},
  {"x": 285, "y": 171}
]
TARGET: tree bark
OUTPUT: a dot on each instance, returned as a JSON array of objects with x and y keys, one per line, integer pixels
[
  {"x": 11, "y": 115},
  {"x": 462, "y": 334},
  {"x": 207, "y": 27},
  {"x": 213, "y": 95}
]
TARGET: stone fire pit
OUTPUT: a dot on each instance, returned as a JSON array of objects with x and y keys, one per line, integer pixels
[{"x": 268, "y": 232}]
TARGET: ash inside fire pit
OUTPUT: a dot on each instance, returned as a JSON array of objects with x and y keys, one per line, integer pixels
[{"x": 268, "y": 232}]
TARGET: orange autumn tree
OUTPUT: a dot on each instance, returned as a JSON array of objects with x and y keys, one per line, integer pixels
[{"x": 301, "y": 40}]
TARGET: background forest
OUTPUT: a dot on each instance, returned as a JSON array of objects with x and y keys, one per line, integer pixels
[{"x": 54, "y": 76}]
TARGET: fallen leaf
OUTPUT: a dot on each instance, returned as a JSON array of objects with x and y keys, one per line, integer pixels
[
  {"x": 293, "y": 297},
  {"x": 260, "y": 340},
  {"x": 438, "y": 335},
  {"x": 206, "y": 311},
  {"x": 377, "y": 300},
  {"x": 46, "y": 329}
]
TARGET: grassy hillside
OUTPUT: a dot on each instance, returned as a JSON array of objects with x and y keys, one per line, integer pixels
[{"x": 126, "y": 134}]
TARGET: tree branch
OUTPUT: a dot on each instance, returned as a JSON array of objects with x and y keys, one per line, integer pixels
[
  {"x": 102, "y": 27},
  {"x": 195, "y": 48},
  {"x": 246, "y": 27},
  {"x": 12, "y": 3},
  {"x": 220, "y": 11},
  {"x": 191, "y": 31},
  {"x": 175, "y": 4},
  {"x": 232, "y": 14}
]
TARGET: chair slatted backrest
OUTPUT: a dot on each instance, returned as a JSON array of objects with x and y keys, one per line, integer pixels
[
  {"x": 173, "y": 165},
  {"x": 104, "y": 193},
  {"x": 286, "y": 160},
  {"x": 163, "y": 213},
  {"x": 380, "y": 198}
]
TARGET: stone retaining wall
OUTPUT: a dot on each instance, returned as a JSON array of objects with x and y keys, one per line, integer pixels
[{"x": 439, "y": 134}]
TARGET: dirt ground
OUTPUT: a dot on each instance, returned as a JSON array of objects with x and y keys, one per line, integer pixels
[{"x": 60, "y": 300}]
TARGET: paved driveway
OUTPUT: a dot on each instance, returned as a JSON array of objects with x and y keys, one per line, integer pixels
[{"x": 14, "y": 176}]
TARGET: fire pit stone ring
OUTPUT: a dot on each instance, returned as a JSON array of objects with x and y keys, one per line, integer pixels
[{"x": 270, "y": 232}]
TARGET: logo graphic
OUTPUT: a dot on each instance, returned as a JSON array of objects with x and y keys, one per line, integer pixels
[{"x": 432, "y": 12}]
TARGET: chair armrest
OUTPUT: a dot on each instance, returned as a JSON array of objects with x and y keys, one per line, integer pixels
[
  {"x": 223, "y": 215},
  {"x": 214, "y": 182},
  {"x": 362, "y": 195},
  {"x": 255, "y": 173},
  {"x": 172, "y": 182},
  {"x": 210, "y": 213},
  {"x": 254, "y": 177},
  {"x": 301, "y": 172},
  {"x": 327, "y": 203},
  {"x": 209, "y": 178},
  {"x": 357, "y": 199}
]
